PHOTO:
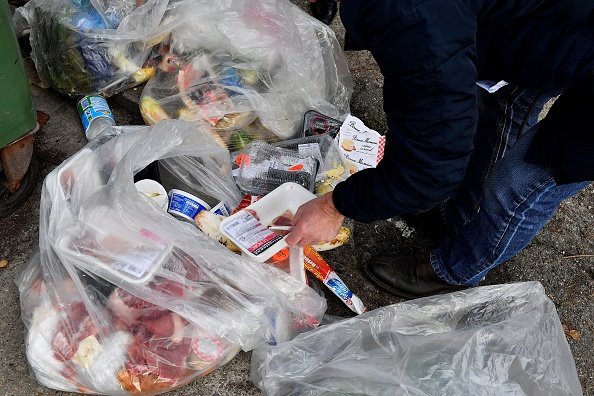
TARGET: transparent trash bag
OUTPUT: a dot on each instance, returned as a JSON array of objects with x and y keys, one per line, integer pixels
[
  {"x": 233, "y": 63},
  {"x": 208, "y": 178},
  {"x": 122, "y": 298},
  {"x": 491, "y": 340},
  {"x": 85, "y": 47}
]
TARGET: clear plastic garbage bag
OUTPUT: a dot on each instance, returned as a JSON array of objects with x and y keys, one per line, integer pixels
[
  {"x": 85, "y": 47},
  {"x": 491, "y": 340},
  {"x": 238, "y": 62},
  {"x": 122, "y": 297}
]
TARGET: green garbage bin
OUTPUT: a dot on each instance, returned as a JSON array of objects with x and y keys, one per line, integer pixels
[
  {"x": 17, "y": 111},
  {"x": 18, "y": 121}
]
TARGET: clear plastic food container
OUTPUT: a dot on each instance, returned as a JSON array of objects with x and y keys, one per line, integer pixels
[{"x": 264, "y": 167}]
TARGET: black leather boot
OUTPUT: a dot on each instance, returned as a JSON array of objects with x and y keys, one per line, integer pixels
[
  {"x": 407, "y": 277},
  {"x": 324, "y": 10}
]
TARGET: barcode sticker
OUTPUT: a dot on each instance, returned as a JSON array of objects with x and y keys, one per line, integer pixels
[
  {"x": 137, "y": 263},
  {"x": 310, "y": 150},
  {"x": 129, "y": 268}
]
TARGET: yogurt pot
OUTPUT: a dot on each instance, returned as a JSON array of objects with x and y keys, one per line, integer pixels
[
  {"x": 221, "y": 209},
  {"x": 153, "y": 190},
  {"x": 185, "y": 205}
]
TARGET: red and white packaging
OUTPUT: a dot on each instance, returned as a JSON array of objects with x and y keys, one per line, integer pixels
[{"x": 315, "y": 264}]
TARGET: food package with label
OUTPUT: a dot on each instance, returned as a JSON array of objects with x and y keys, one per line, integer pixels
[
  {"x": 249, "y": 68},
  {"x": 316, "y": 123},
  {"x": 332, "y": 169},
  {"x": 360, "y": 146},
  {"x": 122, "y": 298},
  {"x": 316, "y": 264},
  {"x": 264, "y": 167},
  {"x": 206, "y": 179},
  {"x": 259, "y": 229}
]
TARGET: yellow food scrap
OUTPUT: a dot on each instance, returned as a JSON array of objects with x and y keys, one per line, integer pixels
[
  {"x": 331, "y": 177},
  {"x": 144, "y": 74},
  {"x": 340, "y": 239},
  {"x": 151, "y": 111}
]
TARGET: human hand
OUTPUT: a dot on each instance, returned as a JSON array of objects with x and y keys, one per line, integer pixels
[{"x": 315, "y": 221}]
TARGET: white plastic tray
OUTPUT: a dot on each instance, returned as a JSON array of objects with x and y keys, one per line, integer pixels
[{"x": 288, "y": 196}]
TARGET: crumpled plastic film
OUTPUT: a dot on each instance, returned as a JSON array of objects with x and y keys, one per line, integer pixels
[
  {"x": 238, "y": 62},
  {"x": 490, "y": 340},
  {"x": 122, "y": 297},
  {"x": 83, "y": 47}
]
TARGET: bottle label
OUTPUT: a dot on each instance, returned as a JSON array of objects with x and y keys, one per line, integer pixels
[{"x": 92, "y": 107}]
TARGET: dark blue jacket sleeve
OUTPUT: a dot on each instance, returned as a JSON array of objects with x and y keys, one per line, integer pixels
[{"x": 427, "y": 55}]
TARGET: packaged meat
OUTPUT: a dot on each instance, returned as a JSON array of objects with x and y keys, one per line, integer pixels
[
  {"x": 248, "y": 227},
  {"x": 122, "y": 298}
]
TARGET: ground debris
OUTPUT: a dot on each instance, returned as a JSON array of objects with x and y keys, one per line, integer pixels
[
  {"x": 3, "y": 263},
  {"x": 588, "y": 231},
  {"x": 571, "y": 333}
]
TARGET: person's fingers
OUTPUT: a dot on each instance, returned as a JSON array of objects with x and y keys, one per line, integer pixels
[
  {"x": 302, "y": 244},
  {"x": 293, "y": 238}
]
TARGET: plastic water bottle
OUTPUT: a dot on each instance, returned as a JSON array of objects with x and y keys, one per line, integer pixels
[{"x": 95, "y": 115}]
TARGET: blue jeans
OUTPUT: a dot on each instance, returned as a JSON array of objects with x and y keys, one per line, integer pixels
[{"x": 503, "y": 202}]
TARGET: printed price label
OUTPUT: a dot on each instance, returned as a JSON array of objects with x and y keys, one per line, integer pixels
[
  {"x": 251, "y": 234},
  {"x": 137, "y": 263},
  {"x": 310, "y": 150}
]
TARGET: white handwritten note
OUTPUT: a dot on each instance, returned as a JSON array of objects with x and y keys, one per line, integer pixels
[{"x": 360, "y": 146}]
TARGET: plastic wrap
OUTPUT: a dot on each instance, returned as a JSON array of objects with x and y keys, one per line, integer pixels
[
  {"x": 123, "y": 298},
  {"x": 85, "y": 47},
  {"x": 232, "y": 62},
  {"x": 209, "y": 178},
  {"x": 491, "y": 340}
]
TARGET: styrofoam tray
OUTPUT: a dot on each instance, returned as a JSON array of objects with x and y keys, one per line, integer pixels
[{"x": 251, "y": 234}]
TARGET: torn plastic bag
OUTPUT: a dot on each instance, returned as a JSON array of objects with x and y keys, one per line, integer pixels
[
  {"x": 233, "y": 62},
  {"x": 125, "y": 299},
  {"x": 85, "y": 47},
  {"x": 491, "y": 340}
]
